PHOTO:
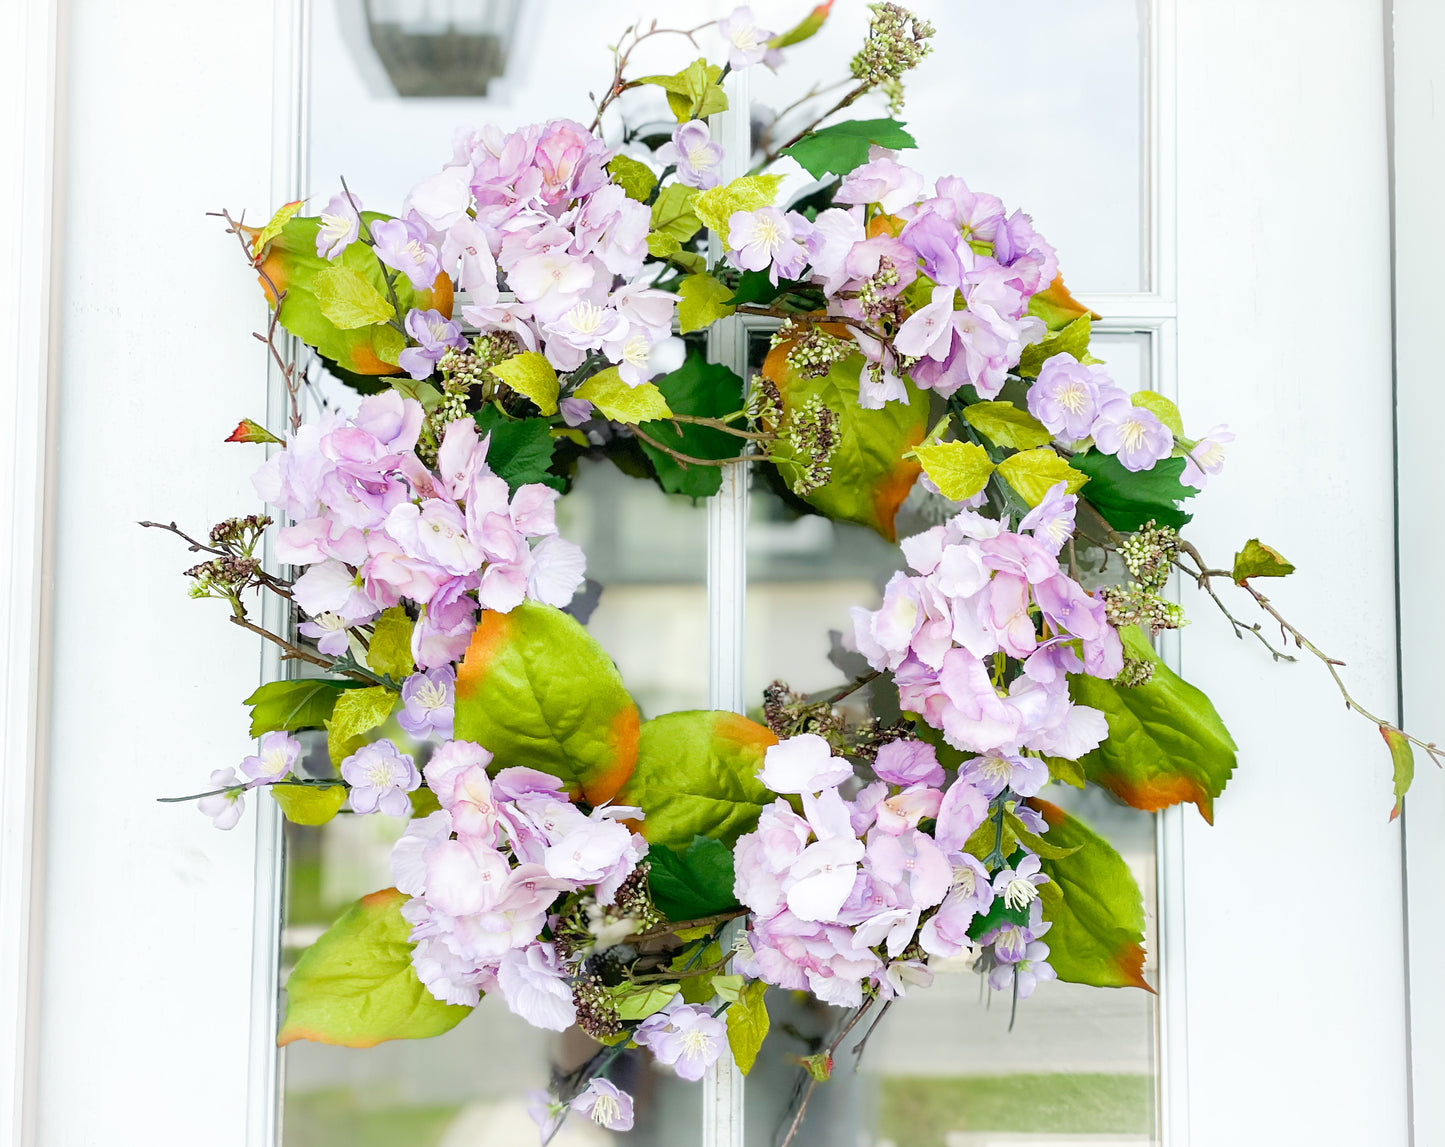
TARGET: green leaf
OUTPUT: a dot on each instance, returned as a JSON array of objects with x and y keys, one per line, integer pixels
[
  {"x": 716, "y": 205},
  {"x": 423, "y": 802},
  {"x": 634, "y": 177},
  {"x": 292, "y": 705},
  {"x": 1046, "y": 848},
  {"x": 959, "y": 469},
  {"x": 728, "y": 988},
  {"x": 622, "y": 403},
  {"x": 696, "y": 775},
  {"x": 1127, "y": 499},
  {"x": 1260, "y": 560},
  {"x": 520, "y": 450},
  {"x": 804, "y": 29},
  {"x": 691, "y": 884},
  {"x": 1072, "y": 339},
  {"x": 705, "y": 390},
  {"x": 530, "y": 374},
  {"x": 704, "y": 301},
  {"x": 748, "y": 1024},
  {"x": 638, "y": 1001},
  {"x": 1056, "y": 307},
  {"x": 1098, "y": 923},
  {"x": 390, "y": 651},
  {"x": 248, "y": 430},
  {"x": 537, "y": 690},
  {"x": 356, "y": 986},
  {"x": 758, "y": 287},
  {"x": 1402, "y": 755},
  {"x": 673, "y": 215},
  {"x": 1004, "y": 424},
  {"x": 871, "y": 476},
  {"x": 694, "y": 92},
  {"x": 283, "y": 216},
  {"x": 309, "y": 804},
  {"x": 844, "y": 146},
  {"x": 1166, "y": 743},
  {"x": 1161, "y": 408},
  {"x": 357, "y": 712},
  {"x": 292, "y": 268},
  {"x": 1034, "y": 472},
  {"x": 348, "y": 299}
]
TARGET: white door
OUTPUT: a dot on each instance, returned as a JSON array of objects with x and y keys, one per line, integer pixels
[{"x": 1216, "y": 178}]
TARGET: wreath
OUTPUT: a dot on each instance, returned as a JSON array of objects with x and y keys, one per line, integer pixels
[{"x": 538, "y": 300}]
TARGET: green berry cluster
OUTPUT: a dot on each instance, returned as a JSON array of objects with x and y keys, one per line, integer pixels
[{"x": 897, "y": 42}]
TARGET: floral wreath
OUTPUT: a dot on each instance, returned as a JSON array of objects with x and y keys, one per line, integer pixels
[{"x": 648, "y": 881}]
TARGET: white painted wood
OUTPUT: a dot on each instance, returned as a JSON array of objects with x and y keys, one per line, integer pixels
[
  {"x": 1419, "y": 168},
  {"x": 145, "y": 995},
  {"x": 27, "y": 135},
  {"x": 1296, "y": 994}
]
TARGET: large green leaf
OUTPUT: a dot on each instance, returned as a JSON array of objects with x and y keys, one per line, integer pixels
[
  {"x": 705, "y": 390},
  {"x": 537, "y": 690},
  {"x": 844, "y": 146},
  {"x": 332, "y": 304},
  {"x": 292, "y": 705},
  {"x": 520, "y": 449},
  {"x": 696, "y": 775},
  {"x": 1098, "y": 923},
  {"x": 687, "y": 885},
  {"x": 1166, "y": 743},
  {"x": 1004, "y": 424},
  {"x": 1128, "y": 499},
  {"x": 356, "y": 987},
  {"x": 871, "y": 478}
]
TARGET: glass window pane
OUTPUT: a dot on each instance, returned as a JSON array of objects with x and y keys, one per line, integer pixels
[
  {"x": 1041, "y": 103},
  {"x": 1128, "y": 357},
  {"x": 942, "y": 1068}
]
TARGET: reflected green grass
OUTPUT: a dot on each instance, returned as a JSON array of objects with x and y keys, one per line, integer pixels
[
  {"x": 339, "y": 1118},
  {"x": 921, "y": 1111}
]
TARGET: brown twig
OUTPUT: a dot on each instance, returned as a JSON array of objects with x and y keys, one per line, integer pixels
[
  {"x": 622, "y": 56},
  {"x": 719, "y": 424},
  {"x": 848, "y": 98},
  {"x": 853, "y": 687},
  {"x": 813, "y": 1080},
  {"x": 684, "y": 459},
  {"x": 279, "y": 586},
  {"x": 673, "y": 926}
]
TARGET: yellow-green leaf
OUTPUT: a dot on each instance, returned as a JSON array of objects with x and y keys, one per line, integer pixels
[
  {"x": 1161, "y": 408},
  {"x": 620, "y": 402},
  {"x": 692, "y": 93},
  {"x": 748, "y": 1025},
  {"x": 673, "y": 215},
  {"x": 357, "y": 712},
  {"x": 746, "y": 193},
  {"x": 1004, "y": 424},
  {"x": 347, "y": 299},
  {"x": 531, "y": 375},
  {"x": 1260, "y": 560},
  {"x": 1071, "y": 339},
  {"x": 309, "y": 804},
  {"x": 1403, "y": 757},
  {"x": 274, "y": 227},
  {"x": 637, "y": 1002},
  {"x": 634, "y": 177},
  {"x": 390, "y": 651},
  {"x": 356, "y": 985},
  {"x": 704, "y": 300},
  {"x": 959, "y": 469},
  {"x": 1033, "y": 472}
]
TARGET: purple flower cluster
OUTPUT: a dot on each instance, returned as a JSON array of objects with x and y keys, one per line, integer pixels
[
  {"x": 855, "y": 892},
  {"x": 484, "y": 872},
  {"x": 375, "y": 527},
  {"x": 950, "y": 275},
  {"x": 535, "y": 212},
  {"x": 1076, "y": 400},
  {"x": 974, "y": 594}
]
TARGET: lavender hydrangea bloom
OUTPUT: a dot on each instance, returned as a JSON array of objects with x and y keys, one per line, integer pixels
[
  {"x": 686, "y": 1037},
  {"x": 436, "y": 334},
  {"x": 1132, "y": 434},
  {"x": 909, "y": 763},
  {"x": 1026, "y": 972},
  {"x": 278, "y": 756},
  {"x": 747, "y": 42},
  {"x": 1205, "y": 457},
  {"x": 769, "y": 239},
  {"x": 605, "y": 1104},
  {"x": 402, "y": 245},
  {"x": 1066, "y": 395},
  {"x": 380, "y": 776},
  {"x": 802, "y": 764},
  {"x": 994, "y": 772},
  {"x": 225, "y": 808},
  {"x": 329, "y": 631},
  {"x": 340, "y": 225},
  {"x": 430, "y": 700},
  {"x": 695, "y": 154},
  {"x": 1052, "y": 520}
]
